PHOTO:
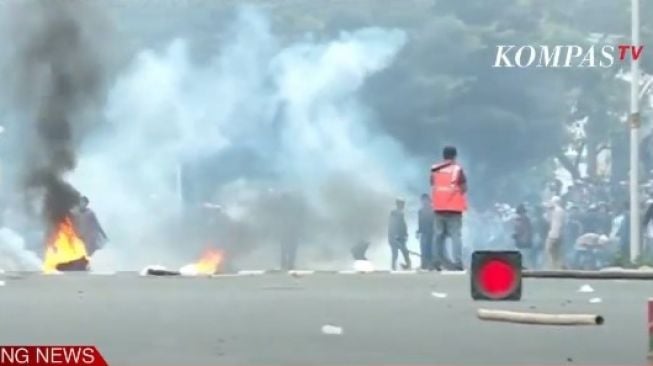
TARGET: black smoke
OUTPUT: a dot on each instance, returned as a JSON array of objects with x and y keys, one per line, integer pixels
[{"x": 56, "y": 89}]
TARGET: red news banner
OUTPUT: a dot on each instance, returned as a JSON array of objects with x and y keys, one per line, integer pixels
[{"x": 50, "y": 356}]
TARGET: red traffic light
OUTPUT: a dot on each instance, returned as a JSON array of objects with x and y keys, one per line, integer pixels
[{"x": 496, "y": 275}]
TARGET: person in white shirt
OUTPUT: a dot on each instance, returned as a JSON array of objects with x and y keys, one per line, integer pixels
[{"x": 556, "y": 218}]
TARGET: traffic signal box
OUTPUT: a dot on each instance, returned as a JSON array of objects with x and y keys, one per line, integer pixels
[{"x": 496, "y": 275}]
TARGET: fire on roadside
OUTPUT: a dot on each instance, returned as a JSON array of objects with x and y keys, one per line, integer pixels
[
  {"x": 208, "y": 263},
  {"x": 65, "y": 250}
]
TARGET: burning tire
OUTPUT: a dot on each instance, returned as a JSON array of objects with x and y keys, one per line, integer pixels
[{"x": 80, "y": 264}]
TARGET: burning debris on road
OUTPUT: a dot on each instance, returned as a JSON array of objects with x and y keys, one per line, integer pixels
[
  {"x": 209, "y": 264},
  {"x": 65, "y": 251}
]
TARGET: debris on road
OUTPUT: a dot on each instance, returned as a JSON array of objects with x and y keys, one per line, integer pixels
[
  {"x": 586, "y": 288},
  {"x": 539, "y": 318},
  {"x": 363, "y": 266},
  {"x": 2, "y": 283},
  {"x": 158, "y": 270},
  {"x": 596, "y": 300},
  {"x": 439, "y": 295},
  {"x": 189, "y": 270},
  {"x": 331, "y": 330}
]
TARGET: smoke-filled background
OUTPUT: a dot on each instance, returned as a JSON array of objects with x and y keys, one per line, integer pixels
[{"x": 301, "y": 121}]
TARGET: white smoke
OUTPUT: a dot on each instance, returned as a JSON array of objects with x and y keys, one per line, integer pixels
[
  {"x": 296, "y": 106},
  {"x": 13, "y": 254}
]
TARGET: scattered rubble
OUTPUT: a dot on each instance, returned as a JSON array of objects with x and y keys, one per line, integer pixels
[
  {"x": 332, "y": 330},
  {"x": 439, "y": 295},
  {"x": 586, "y": 288}
]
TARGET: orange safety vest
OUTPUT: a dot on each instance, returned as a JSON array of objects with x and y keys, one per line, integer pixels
[{"x": 446, "y": 191}]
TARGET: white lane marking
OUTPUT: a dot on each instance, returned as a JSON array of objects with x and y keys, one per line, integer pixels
[
  {"x": 103, "y": 273},
  {"x": 300, "y": 272},
  {"x": 453, "y": 273},
  {"x": 404, "y": 272},
  {"x": 250, "y": 272},
  {"x": 225, "y": 275}
]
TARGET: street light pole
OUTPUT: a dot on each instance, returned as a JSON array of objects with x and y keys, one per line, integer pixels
[{"x": 634, "y": 140}]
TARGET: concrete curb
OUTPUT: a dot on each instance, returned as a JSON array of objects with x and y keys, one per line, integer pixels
[{"x": 174, "y": 273}]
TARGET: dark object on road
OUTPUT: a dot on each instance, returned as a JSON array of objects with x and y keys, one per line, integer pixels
[
  {"x": 605, "y": 275},
  {"x": 496, "y": 275},
  {"x": 359, "y": 250},
  {"x": 539, "y": 318},
  {"x": 162, "y": 272},
  {"x": 80, "y": 264}
]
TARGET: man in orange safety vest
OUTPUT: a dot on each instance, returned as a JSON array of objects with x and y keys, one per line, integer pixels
[{"x": 449, "y": 201}]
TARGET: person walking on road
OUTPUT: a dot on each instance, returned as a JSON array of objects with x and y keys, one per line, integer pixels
[
  {"x": 398, "y": 234},
  {"x": 424, "y": 233},
  {"x": 553, "y": 245},
  {"x": 449, "y": 202},
  {"x": 523, "y": 236}
]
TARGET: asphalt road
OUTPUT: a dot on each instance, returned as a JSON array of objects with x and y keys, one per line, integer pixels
[{"x": 387, "y": 319}]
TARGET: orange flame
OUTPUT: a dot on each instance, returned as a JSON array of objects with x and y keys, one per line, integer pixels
[
  {"x": 209, "y": 262},
  {"x": 64, "y": 247}
]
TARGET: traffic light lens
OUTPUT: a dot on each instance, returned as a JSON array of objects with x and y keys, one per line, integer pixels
[{"x": 497, "y": 277}]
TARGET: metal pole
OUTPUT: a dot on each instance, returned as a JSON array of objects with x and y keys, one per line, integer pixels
[{"x": 634, "y": 140}]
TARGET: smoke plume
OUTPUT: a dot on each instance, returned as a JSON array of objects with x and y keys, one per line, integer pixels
[
  {"x": 55, "y": 91},
  {"x": 314, "y": 171}
]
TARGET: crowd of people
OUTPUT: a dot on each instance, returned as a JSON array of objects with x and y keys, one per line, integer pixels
[{"x": 585, "y": 226}]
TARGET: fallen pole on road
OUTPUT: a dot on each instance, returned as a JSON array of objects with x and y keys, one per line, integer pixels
[
  {"x": 539, "y": 318},
  {"x": 606, "y": 275}
]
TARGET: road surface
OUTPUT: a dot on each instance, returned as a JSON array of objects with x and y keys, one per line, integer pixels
[{"x": 277, "y": 319}]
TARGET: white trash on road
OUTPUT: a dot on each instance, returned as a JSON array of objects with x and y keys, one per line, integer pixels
[
  {"x": 595, "y": 300},
  {"x": 332, "y": 330},
  {"x": 586, "y": 288},
  {"x": 363, "y": 266},
  {"x": 439, "y": 295},
  {"x": 2, "y": 283}
]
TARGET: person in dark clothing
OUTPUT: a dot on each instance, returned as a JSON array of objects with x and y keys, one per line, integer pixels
[
  {"x": 604, "y": 220},
  {"x": 398, "y": 234},
  {"x": 425, "y": 217},
  {"x": 288, "y": 254},
  {"x": 523, "y": 236},
  {"x": 88, "y": 227},
  {"x": 592, "y": 221},
  {"x": 648, "y": 216},
  {"x": 288, "y": 204},
  {"x": 574, "y": 225}
]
